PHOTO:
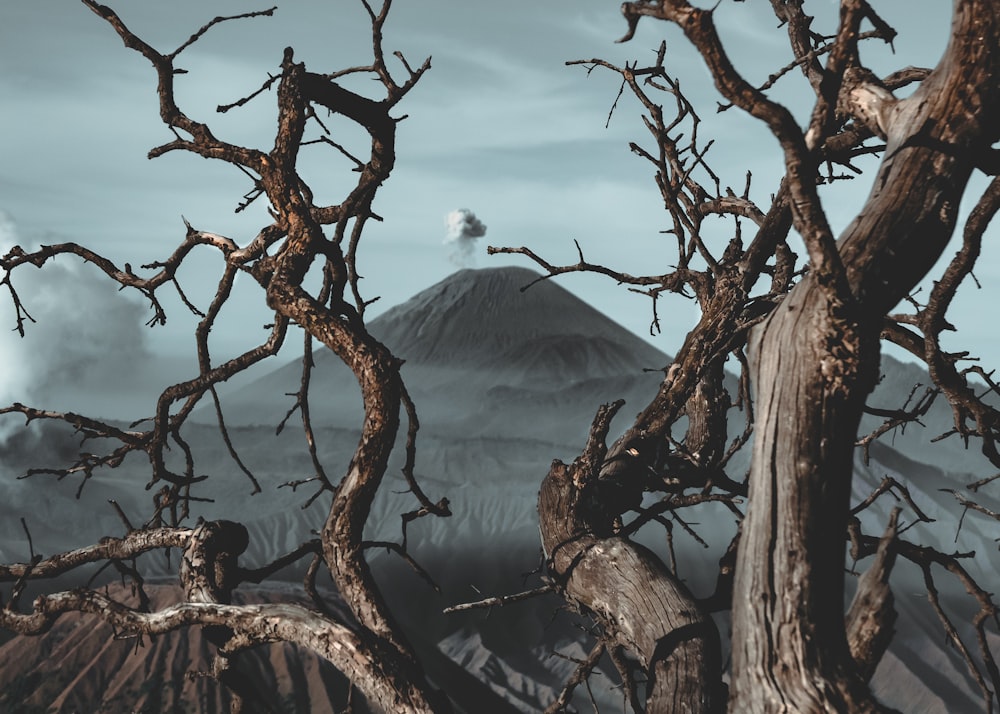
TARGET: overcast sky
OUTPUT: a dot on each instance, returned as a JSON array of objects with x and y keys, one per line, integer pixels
[{"x": 499, "y": 126}]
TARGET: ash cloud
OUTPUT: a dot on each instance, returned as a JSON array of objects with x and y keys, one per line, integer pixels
[
  {"x": 463, "y": 230},
  {"x": 86, "y": 340}
]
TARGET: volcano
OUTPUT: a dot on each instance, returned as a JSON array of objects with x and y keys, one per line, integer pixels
[
  {"x": 509, "y": 319},
  {"x": 505, "y": 379},
  {"x": 479, "y": 345}
]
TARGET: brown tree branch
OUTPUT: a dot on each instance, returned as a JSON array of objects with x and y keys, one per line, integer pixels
[{"x": 872, "y": 614}]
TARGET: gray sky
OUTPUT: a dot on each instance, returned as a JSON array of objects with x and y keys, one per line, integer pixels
[{"x": 499, "y": 126}]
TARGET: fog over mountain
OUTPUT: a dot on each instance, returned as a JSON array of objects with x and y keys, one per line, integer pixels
[{"x": 504, "y": 381}]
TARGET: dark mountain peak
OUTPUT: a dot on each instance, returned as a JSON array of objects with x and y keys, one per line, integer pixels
[
  {"x": 465, "y": 337},
  {"x": 473, "y": 317}
]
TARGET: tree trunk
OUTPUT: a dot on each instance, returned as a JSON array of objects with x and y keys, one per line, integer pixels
[
  {"x": 814, "y": 362},
  {"x": 790, "y": 650}
]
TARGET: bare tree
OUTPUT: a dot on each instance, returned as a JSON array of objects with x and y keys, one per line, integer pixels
[
  {"x": 375, "y": 656},
  {"x": 806, "y": 336},
  {"x": 813, "y": 338}
]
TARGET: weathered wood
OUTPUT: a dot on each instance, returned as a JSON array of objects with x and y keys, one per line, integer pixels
[
  {"x": 638, "y": 602},
  {"x": 814, "y": 361},
  {"x": 374, "y": 366},
  {"x": 872, "y": 614}
]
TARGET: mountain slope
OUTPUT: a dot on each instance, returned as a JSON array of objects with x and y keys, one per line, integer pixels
[
  {"x": 504, "y": 382},
  {"x": 902, "y": 384},
  {"x": 79, "y": 666},
  {"x": 474, "y": 344},
  {"x": 482, "y": 318}
]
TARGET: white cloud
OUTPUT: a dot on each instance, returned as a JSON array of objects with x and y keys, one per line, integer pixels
[{"x": 85, "y": 332}]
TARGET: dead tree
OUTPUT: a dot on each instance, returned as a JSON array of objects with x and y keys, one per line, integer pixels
[
  {"x": 374, "y": 654},
  {"x": 812, "y": 353},
  {"x": 807, "y": 344}
]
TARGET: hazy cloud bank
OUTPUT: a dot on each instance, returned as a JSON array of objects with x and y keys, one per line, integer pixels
[{"x": 87, "y": 337}]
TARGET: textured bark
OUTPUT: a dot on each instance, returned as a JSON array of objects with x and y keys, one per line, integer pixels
[
  {"x": 790, "y": 650},
  {"x": 640, "y": 605},
  {"x": 374, "y": 366},
  {"x": 872, "y": 614},
  {"x": 707, "y": 419},
  {"x": 814, "y": 361},
  {"x": 208, "y": 574},
  {"x": 376, "y": 657},
  {"x": 365, "y": 662},
  {"x": 77, "y": 644}
]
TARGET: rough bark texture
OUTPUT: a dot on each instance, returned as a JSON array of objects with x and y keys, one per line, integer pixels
[
  {"x": 788, "y": 592},
  {"x": 872, "y": 614},
  {"x": 376, "y": 657},
  {"x": 812, "y": 361},
  {"x": 640, "y": 605},
  {"x": 814, "y": 364},
  {"x": 376, "y": 370}
]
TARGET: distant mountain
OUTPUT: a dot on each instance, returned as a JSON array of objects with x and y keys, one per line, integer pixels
[
  {"x": 504, "y": 380},
  {"x": 483, "y": 355},
  {"x": 476, "y": 346},
  {"x": 490, "y": 319}
]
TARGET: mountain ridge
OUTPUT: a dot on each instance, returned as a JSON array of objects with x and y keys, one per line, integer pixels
[
  {"x": 465, "y": 341},
  {"x": 477, "y": 316},
  {"x": 503, "y": 383}
]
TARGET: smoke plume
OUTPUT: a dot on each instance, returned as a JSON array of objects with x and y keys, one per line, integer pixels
[
  {"x": 86, "y": 335},
  {"x": 463, "y": 230}
]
